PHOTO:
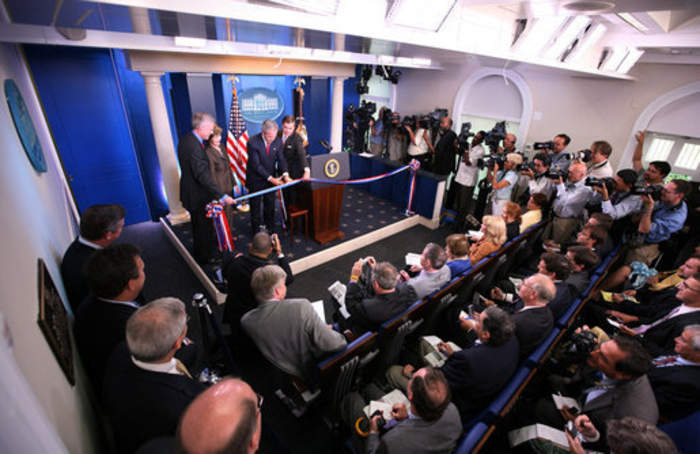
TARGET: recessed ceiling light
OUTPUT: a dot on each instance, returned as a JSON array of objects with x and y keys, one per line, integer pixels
[{"x": 589, "y": 6}]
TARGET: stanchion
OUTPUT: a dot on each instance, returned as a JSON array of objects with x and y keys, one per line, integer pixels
[{"x": 207, "y": 319}]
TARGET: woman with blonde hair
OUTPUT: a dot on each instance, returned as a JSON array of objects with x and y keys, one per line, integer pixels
[
  {"x": 457, "y": 248},
  {"x": 494, "y": 235},
  {"x": 511, "y": 216},
  {"x": 220, "y": 170}
]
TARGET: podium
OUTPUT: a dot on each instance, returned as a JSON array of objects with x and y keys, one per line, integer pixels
[{"x": 325, "y": 201}]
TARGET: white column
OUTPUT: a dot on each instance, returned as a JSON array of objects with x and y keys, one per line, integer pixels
[
  {"x": 139, "y": 20},
  {"x": 337, "y": 114},
  {"x": 164, "y": 146}
]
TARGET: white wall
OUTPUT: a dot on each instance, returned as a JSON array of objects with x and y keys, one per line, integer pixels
[
  {"x": 37, "y": 223},
  {"x": 587, "y": 109}
]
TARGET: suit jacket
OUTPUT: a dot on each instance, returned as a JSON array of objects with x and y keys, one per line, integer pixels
[
  {"x": 197, "y": 187},
  {"x": 652, "y": 305},
  {"x": 99, "y": 327},
  {"x": 142, "y": 404},
  {"x": 237, "y": 273},
  {"x": 532, "y": 326},
  {"x": 368, "y": 310},
  {"x": 562, "y": 299},
  {"x": 291, "y": 335},
  {"x": 261, "y": 165},
  {"x": 72, "y": 272},
  {"x": 658, "y": 340},
  {"x": 478, "y": 373},
  {"x": 677, "y": 390},
  {"x": 417, "y": 436},
  {"x": 445, "y": 152},
  {"x": 295, "y": 155},
  {"x": 578, "y": 282}
]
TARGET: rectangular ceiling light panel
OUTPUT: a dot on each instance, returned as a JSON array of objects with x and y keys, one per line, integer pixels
[
  {"x": 535, "y": 38},
  {"x": 421, "y": 14},
  {"x": 589, "y": 40},
  {"x": 572, "y": 30},
  {"x": 632, "y": 56}
]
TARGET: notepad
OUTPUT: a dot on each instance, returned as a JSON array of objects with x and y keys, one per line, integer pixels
[
  {"x": 436, "y": 358},
  {"x": 538, "y": 431},
  {"x": 412, "y": 259},
  {"x": 318, "y": 308},
  {"x": 386, "y": 404},
  {"x": 563, "y": 401},
  {"x": 338, "y": 291}
]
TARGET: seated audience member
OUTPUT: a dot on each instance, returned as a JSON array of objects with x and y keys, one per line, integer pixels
[
  {"x": 511, "y": 216},
  {"x": 225, "y": 418},
  {"x": 592, "y": 237},
  {"x": 657, "y": 171},
  {"x": 300, "y": 336},
  {"x": 569, "y": 203},
  {"x": 539, "y": 183},
  {"x": 582, "y": 260},
  {"x": 146, "y": 389},
  {"x": 621, "y": 203},
  {"x": 628, "y": 435},
  {"x": 478, "y": 373},
  {"x": 557, "y": 268},
  {"x": 599, "y": 240},
  {"x": 503, "y": 182},
  {"x": 675, "y": 378},
  {"x": 432, "y": 272},
  {"x": 116, "y": 276},
  {"x": 100, "y": 225},
  {"x": 494, "y": 230},
  {"x": 657, "y": 222},
  {"x": 534, "y": 321},
  {"x": 372, "y": 303},
  {"x": 239, "y": 270},
  {"x": 430, "y": 425},
  {"x": 624, "y": 389},
  {"x": 599, "y": 166},
  {"x": 658, "y": 336},
  {"x": 457, "y": 249},
  {"x": 535, "y": 205}
]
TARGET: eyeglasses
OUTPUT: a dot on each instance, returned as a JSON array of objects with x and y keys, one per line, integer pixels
[
  {"x": 685, "y": 285},
  {"x": 260, "y": 401}
]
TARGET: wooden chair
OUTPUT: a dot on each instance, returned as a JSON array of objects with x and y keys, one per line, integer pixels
[{"x": 294, "y": 212}]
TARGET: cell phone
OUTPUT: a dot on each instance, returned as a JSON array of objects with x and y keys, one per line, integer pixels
[{"x": 571, "y": 429}]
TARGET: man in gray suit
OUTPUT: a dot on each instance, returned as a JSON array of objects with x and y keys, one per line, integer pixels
[
  {"x": 432, "y": 425},
  {"x": 287, "y": 331}
]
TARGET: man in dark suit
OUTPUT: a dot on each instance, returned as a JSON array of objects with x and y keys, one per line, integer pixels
[
  {"x": 445, "y": 142},
  {"x": 433, "y": 425},
  {"x": 226, "y": 415},
  {"x": 372, "y": 303},
  {"x": 557, "y": 268},
  {"x": 676, "y": 378},
  {"x": 239, "y": 270},
  {"x": 146, "y": 389},
  {"x": 116, "y": 276},
  {"x": 582, "y": 260},
  {"x": 100, "y": 225},
  {"x": 295, "y": 155},
  {"x": 265, "y": 162},
  {"x": 658, "y": 337},
  {"x": 534, "y": 321},
  {"x": 197, "y": 187}
]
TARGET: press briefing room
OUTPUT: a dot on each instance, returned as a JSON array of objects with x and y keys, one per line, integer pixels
[{"x": 350, "y": 226}]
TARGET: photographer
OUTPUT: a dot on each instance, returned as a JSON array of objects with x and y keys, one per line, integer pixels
[
  {"x": 465, "y": 180},
  {"x": 420, "y": 146},
  {"x": 503, "y": 181},
  {"x": 396, "y": 140},
  {"x": 376, "y": 137},
  {"x": 657, "y": 171},
  {"x": 569, "y": 203},
  {"x": 508, "y": 144},
  {"x": 599, "y": 166},
  {"x": 538, "y": 180},
  {"x": 622, "y": 202},
  {"x": 560, "y": 158},
  {"x": 445, "y": 143}
]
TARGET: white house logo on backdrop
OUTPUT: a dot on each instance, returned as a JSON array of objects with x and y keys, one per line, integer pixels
[{"x": 260, "y": 104}]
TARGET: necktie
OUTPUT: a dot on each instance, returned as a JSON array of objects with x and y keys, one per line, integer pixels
[
  {"x": 644, "y": 328},
  {"x": 267, "y": 147},
  {"x": 182, "y": 368},
  {"x": 202, "y": 145},
  {"x": 665, "y": 361}
]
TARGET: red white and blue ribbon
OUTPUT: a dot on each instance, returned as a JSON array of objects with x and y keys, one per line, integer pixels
[
  {"x": 215, "y": 211},
  {"x": 414, "y": 166}
]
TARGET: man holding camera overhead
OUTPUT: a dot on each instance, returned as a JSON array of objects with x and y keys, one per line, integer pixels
[
  {"x": 503, "y": 181},
  {"x": 569, "y": 203}
]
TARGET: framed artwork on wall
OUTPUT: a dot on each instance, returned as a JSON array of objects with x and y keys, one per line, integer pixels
[{"x": 53, "y": 321}]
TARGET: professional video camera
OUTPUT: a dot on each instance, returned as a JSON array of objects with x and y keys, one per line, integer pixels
[
  {"x": 654, "y": 191},
  {"x": 357, "y": 123},
  {"x": 608, "y": 182},
  {"x": 575, "y": 351},
  {"x": 361, "y": 86},
  {"x": 556, "y": 172},
  {"x": 526, "y": 165},
  {"x": 409, "y": 120},
  {"x": 495, "y": 135},
  {"x": 490, "y": 160},
  {"x": 464, "y": 135},
  {"x": 543, "y": 145},
  {"x": 582, "y": 155}
]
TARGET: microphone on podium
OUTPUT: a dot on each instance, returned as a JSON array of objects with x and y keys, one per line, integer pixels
[{"x": 326, "y": 145}]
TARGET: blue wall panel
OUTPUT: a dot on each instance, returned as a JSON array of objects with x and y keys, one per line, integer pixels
[
  {"x": 181, "y": 107},
  {"x": 80, "y": 94}
]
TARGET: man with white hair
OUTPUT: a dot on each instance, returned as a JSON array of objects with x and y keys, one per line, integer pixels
[
  {"x": 570, "y": 201},
  {"x": 146, "y": 389},
  {"x": 288, "y": 332},
  {"x": 266, "y": 168}
]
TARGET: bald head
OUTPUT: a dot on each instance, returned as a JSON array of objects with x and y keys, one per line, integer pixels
[{"x": 224, "y": 419}]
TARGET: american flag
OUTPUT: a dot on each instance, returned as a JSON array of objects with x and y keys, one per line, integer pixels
[{"x": 237, "y": 140}]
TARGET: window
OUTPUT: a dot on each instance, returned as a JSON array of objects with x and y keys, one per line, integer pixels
[{"x": 683, "y": 153}]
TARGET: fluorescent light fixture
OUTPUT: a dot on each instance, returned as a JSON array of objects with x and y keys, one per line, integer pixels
[
  {"x": 420, "y": 14},
  {"x": 617, "y": 54},
  {"x": 422, "y": 61},
  {"x": 186, "y": 41},
  {"x": 564, "y": 39},
  {"x": 326, "y": 7},
  {"x": 629, "y": 61},
  {"x": 402, "y": 61},
  {"x": 631, "y": 20},
  {"x": 587, "y": 42},
  {"x": 387, "y": 60},
  {"x": 534, "y": 39}
]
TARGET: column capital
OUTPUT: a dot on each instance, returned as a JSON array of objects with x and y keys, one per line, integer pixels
[{"x": 151, "y": 75}]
